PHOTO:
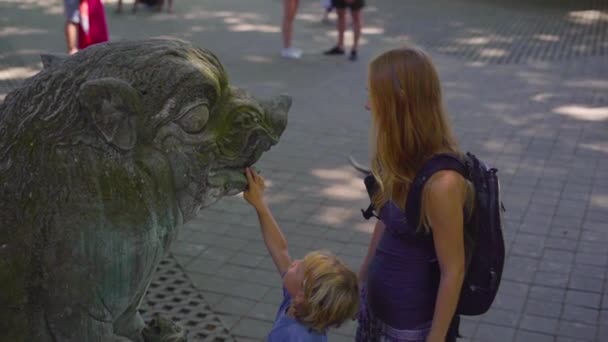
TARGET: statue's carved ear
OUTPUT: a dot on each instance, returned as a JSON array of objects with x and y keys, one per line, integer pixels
[
  {"x": 113, "y": 105},
  {"x": 49, "y": 61}
]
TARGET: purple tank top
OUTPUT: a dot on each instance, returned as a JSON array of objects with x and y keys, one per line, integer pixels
[{"x": 403, "y": 276}]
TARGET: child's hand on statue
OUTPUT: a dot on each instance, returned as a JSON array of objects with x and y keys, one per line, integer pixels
[{"x": 255, "y": 189}]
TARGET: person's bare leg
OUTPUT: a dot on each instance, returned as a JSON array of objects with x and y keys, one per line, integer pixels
[
  {"x": 71, "y": 37},
  {"x": 170, "y": 6},
  {"x": 357, "y": 25},
  {"x": 290, "y": 8},
  {"x": 341, "y": 26},
  {"x": 159, "y": 6}
]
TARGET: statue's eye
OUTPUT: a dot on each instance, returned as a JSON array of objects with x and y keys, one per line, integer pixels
[
  {"x": 247, "y": 119},
  {"x": 195, "y": 119}
]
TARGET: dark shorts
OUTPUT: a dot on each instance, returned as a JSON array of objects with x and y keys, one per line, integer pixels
[{"x": 354, "y": 6}]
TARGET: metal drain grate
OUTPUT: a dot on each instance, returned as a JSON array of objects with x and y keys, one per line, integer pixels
[{"x": 172, "y": 294}]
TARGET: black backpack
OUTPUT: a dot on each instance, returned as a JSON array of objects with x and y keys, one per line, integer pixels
[{"x": 486, "y": 250}]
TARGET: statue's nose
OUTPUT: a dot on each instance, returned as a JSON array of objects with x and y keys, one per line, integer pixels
[{"x": 277, "y": 111}]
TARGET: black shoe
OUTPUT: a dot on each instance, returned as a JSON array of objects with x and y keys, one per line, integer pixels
[
  {"x": 353, "y": 55},
  {"x": 336, "y": 50}
]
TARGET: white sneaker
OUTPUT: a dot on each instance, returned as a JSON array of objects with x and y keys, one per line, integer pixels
[{"x": 291, "y": 52}]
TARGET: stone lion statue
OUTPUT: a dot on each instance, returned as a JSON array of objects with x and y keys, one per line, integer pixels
[{"x": 103, "y": 155}]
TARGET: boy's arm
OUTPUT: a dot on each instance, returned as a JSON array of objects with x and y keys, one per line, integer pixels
[
  {"x": 274, "y": 239},
  {"x": 271, "y": 233}
]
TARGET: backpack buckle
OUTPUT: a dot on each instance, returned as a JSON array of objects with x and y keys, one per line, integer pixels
[{"x": 369, "y": 212}]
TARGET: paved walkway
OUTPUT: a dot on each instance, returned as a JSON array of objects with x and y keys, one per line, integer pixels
[{"x": 525, "y": 84}]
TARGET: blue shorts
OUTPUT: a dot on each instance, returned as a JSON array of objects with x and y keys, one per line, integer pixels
[{"x": 72, "y": 12}]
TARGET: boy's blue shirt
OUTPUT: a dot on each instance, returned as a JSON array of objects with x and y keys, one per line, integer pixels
[{"x": 287, "y": 329}]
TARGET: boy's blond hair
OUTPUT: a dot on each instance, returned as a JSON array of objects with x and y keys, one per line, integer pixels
[{"x": 331, "y": 292}]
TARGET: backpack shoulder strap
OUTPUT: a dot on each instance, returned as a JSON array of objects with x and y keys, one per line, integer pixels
[
  {"x": 371, "y": 185},
  {"x": 439, "y": 162}
]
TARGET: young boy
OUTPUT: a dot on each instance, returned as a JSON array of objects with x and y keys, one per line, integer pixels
[{"x": 319, "y": 291}]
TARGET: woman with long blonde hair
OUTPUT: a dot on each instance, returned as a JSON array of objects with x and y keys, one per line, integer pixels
[{"x": 413, "y": 271}]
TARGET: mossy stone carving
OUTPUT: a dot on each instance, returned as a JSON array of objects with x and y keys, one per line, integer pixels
[{"x": 103, "y": 155}]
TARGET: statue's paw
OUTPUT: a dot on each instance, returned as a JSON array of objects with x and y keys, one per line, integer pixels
[{"x": 162, "y": 329}]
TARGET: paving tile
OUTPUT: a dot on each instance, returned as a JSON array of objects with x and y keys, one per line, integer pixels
[
  {"x": 561, "y": 243},
  {"x": 501, "y": 317},
  {"x": 525, "y": 249},
  {"x": 603, "y": 320},
  {"x": 550, "y": 266},
  {"x": 563, "y": 232},
  {"x": 203, "y": 266},
  {"x": 246, "y": 259},
  {"x": 229, "y": 321},
  {"x": 521, "y": 269},
  {"x": 183, "y": 260},
  {"x": 246, "y": 339},
  {"x": 592, "y": 259},
  {"x": 247, "y": 289},
  {"x": 601, "y": 332},
  {"x": 263, "y": 311},
  {"x": 468, "y": 328},
  {"x": 539, "y": 324},
  {"x": 543, "y": 308},
  {"x": 333, "y": 246},
  {"x": 585, "y": 284},
  {"x": 216, "y": 253},
  {"x": 234, "y": 306},
  {"x": 589, "y": 271},
  {"x": 595, "y": 236},
  {"x": 311, "y": 230},
  {"x": 507, "y": 302},
  {"x": 354, "y": 249},
  {"x": 333, "y": 336},
  {"x": 342, "y": 235},
  {"x": 558, "y": 255},
  {"x": 577, "y": 330},
  {"x": 527, "y": 336},
  {"x": 567, "y": 339},
  {"x": 593, "y": 247},
  {"x": 514, "y": 288},
  {"x": 536, "y": 227},
  {"x": 212, "y": 298},
  {"x": 214, "y": 284},
  {"x": 255, "y": 247},
  {"x": 295, "y": 239},
  {"x": 187, "y": 249},
  {"x": 252, "y": 328},
  {"x": 547, "y": 293},
  {"x": 580, "y": 314},
  {"x": 586, "y": 299},
  {"x": 274, "y": 296},
  {"x": 348, "y": 328},
  {"x": 489, "y": 332},
  {"x": 551, "y": 279}
]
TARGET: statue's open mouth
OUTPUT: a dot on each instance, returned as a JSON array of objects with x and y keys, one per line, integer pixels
[{"x": 230, "y": 178}]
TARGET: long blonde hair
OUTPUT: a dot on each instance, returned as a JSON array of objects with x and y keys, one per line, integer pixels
[
  {"x": 409, "y": 120},
  {"x": 331, "y": 293}
]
